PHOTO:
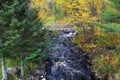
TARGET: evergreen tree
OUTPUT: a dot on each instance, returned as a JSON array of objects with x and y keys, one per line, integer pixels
[
  {"x": 6, "y": 14},
  {"x": 21, "y": 32},
  {"x": 31, "y": 36},
  {"x": 111, "y": 16}
]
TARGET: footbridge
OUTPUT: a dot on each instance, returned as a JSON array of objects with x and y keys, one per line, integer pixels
[{"x": 60, "y": 27}]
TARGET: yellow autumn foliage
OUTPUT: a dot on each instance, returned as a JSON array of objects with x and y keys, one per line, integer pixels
[{"x": 81, "y": 10}]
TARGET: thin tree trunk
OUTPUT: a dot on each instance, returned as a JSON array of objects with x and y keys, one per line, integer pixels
[
  {"x": 22, "y": 67},
  {"x": 85, "y": 32},
  {"x": 92, "y": 34},
  {"x": 4, "y": 69},
  {"x": 55, "y": 13}
]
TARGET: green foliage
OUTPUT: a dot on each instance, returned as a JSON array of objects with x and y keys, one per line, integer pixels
[
  {"x": 21, "y": 32},
  {"x": 10, "y": 64},
  {"x": 115, "y": 4},
  {"x": 107, "y": 65},
  {"x": 60, "y": 14},
  {"x": 29, "y": 32},
  {"x": 109, "y": 27},
  {"x": 5, "y": 12},
  {"x": 110, "y": 16}
]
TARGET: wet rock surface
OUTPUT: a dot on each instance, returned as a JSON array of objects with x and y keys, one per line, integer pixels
[{"x": 66, "y": 60}]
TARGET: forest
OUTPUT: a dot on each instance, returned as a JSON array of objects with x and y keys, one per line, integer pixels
[{"x": 59, "y": 39}]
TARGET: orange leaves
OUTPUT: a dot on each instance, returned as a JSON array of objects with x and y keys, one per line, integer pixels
[
  {"x": 109, "y": 59},
  {"x": 112, "y": 59},
  {"x": 82, "y": 40}
]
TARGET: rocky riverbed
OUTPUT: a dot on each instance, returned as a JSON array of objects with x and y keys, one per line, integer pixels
[{"x": 66, "y": 61}]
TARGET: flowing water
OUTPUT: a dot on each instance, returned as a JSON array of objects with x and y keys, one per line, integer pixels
[{"x": 66, "y": 60}]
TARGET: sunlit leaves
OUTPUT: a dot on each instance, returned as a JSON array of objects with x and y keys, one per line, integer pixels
[{"x": 84, "y": 11}]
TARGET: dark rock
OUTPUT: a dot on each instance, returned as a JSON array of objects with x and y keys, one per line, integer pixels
[{"x": 67, "y": 61}]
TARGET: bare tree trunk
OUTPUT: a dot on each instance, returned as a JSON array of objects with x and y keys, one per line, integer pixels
[
  {"x": 22, "y": 67},
  {"x": 4, "y": 69}
]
